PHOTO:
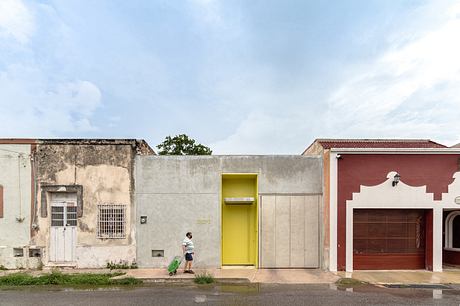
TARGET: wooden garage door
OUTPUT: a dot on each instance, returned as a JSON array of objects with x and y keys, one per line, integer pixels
[
  {"x": 388, "y": 239},
  {"x": 289, "y": 231}
]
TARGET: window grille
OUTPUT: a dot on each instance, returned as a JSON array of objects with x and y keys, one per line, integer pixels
[
  {"x": 111, "y": 221},
  {"x": 71, "y": 216},
  {"x": 57, "y": 216}
]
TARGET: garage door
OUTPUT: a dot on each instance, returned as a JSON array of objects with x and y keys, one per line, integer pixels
[
  {"x": 289, "y": 231},
  {"x": 388, "y": 239}
]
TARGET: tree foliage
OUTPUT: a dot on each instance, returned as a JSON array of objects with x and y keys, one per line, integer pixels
[{"x": 182, "y": 145}]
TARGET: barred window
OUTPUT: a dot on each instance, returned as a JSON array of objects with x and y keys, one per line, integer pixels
[{"x": 111, "y": 221}]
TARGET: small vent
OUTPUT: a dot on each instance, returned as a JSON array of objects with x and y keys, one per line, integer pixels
[
  {"x": 18, "y": 252},
  {"x": 35, "y": 252},
  {"x": 158, "y": 253}
]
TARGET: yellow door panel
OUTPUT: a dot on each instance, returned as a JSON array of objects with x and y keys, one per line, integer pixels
[
  {"x": 236, "y": 235},
  {"x": 239, "y": 222}
]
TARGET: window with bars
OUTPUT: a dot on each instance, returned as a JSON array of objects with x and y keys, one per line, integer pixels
[
  {"x": 64, "y": 215},
  {"x": 111, "y": 221}
]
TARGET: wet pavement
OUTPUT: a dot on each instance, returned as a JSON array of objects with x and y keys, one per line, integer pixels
[
  {"x": 448, "y": 276},
  {"x": 233, "y": 294}
]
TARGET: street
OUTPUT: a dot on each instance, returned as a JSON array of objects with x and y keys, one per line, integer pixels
[{"x": 231, "y": 294}]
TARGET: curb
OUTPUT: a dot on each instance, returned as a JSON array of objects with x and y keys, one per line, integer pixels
[{"x": 191, "y": 280}]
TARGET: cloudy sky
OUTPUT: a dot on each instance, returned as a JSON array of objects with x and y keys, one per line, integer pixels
[{"x": 240, "y": 76}]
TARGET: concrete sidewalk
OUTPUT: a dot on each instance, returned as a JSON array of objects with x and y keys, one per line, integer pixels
[
  {"x": 405, "y": 277},
  {"x": 279, "y": 276}
]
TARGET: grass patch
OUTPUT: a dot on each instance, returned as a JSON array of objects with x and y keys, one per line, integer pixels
[
  {"x": 349, "y": 282},
  {"x": 58, "y": 278},
  {"x": 204, "y": 278}
]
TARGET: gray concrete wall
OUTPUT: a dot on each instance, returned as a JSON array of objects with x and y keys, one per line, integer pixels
[
  {"x": 289, "y": 231},
  {"x": 182, "y": 193}
]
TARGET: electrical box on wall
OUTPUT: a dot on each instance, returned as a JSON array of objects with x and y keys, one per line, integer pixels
[{"x": 143, "y": 219}]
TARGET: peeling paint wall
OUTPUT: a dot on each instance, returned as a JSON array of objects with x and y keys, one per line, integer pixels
[{"x": 105, "y": 172}]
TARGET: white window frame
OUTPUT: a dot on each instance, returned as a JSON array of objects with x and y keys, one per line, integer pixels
[
  {"x": 107, "y": 226},
  {"x": 449, "y": 231}
]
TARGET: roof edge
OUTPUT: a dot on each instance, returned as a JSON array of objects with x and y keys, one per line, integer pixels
[
  {"x": 142, "y": 147},
  {"x": 446, "y": 150}
]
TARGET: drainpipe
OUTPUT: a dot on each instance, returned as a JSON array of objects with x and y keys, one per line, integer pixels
[{"x": 19, "y": 219}]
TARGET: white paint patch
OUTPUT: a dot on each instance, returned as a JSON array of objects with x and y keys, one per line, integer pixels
[{"x": 200, "y": 298}]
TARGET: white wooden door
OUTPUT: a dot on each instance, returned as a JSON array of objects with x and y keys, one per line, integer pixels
[{"x": 63, "y": 231}]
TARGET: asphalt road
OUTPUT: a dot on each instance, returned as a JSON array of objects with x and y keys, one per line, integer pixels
[{"x": 253, "y": 294}]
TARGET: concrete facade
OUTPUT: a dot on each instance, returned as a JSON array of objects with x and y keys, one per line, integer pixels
[{"x": 183, "y": 193}]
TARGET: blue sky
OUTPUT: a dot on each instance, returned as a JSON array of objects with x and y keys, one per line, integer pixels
[{"x": 240, "y": 76}]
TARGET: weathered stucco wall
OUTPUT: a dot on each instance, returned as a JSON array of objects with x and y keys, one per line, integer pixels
[
  {"x": 105, "y": 173},
  {"x": 15, "y": 177},
  {"x": 182, "y": 193}
]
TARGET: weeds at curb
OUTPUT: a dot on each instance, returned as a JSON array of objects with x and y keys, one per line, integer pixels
[
  {"x": 58, "y": 278},
  {"x": 350, "y": 282},
  {"x": 204, "y": 278}
]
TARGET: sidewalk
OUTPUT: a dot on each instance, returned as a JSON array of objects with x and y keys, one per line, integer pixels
[
  {"x": 279, "y": 276},
  {"x": 405, "y": 277},
  {"x": 274, "y": 276}
]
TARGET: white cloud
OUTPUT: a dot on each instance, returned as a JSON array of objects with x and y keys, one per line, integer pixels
[
  {"x": 33, "y": 107},
  {"x": 412, "y": 90},
  {"x": 208, "y": 11},
  {"x": 16, "y": 20},
  {"x": 36, "y": 100}
]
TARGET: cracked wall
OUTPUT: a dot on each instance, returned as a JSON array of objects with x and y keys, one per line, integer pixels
[{"x": 105, "y": 172}]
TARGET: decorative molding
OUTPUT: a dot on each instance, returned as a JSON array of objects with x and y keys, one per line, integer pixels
[
  {"x": 453, "y": 192},
  {"x": 385, "y": 195}
]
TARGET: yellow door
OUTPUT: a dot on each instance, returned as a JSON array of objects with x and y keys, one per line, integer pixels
[
  {"x": 239, "y": 221},
  {"x": 236, "y": 232}
]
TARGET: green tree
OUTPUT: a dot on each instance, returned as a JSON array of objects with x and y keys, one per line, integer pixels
[{"x": 182, "y": 145}]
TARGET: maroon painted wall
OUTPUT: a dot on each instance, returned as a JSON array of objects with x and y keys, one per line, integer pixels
[{"x": 433, "y": 170}]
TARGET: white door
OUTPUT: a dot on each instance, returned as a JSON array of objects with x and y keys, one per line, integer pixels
[{"x": 63, "y": 231}]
